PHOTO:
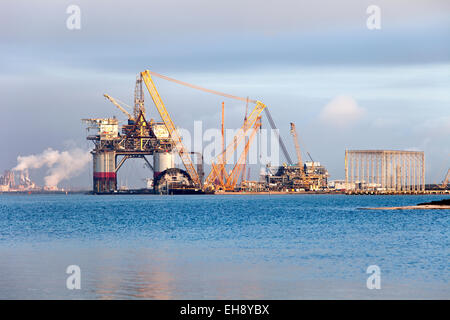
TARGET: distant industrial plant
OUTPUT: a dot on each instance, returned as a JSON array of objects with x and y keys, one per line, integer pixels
[{"x": 19, "y": 181}]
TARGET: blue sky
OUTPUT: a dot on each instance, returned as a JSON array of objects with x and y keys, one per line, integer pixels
[{"x": 313, "y": 63}]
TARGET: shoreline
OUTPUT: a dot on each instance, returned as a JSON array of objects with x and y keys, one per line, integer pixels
[
  {"x": 440, "y": 204},
  {"x": 148, "y": 192},
  {"x": 410, "y": 207}
]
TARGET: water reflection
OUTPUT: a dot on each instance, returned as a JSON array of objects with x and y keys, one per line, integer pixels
[{"x": 39, "y": 273}]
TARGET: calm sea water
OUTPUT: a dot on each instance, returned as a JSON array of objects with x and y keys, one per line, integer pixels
[{"x": 221, "y": 247}]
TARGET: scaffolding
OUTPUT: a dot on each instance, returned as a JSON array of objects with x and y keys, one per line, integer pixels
[{"x": 390, "y": 170}]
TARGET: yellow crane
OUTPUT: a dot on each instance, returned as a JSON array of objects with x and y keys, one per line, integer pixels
[
  {"x": 238, "y": 138},
  {"x": 229, "y": 181},
  {"x": 114, "y": 102},
  {"x": 297, "y": 146},
  {"x": 445, "y": 182},
  {"x": 193, "y": 86},
  {"x": 221, "y": 174},
  {"x": 240, "y": 165},
  {"x": 305, "y": 179},
  {"x": 173, "y": 132},
  {"x": 245, "y": 162},
  {"x": 230, "y": 149},
  {"x": 222, "y": 162}
]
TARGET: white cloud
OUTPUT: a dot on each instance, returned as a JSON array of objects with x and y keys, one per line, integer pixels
[{"x": 342, "y": 111}]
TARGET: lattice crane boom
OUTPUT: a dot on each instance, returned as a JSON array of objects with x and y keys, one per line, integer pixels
[
  {"x": 138, "y": 97},
  {"x": 239, "y": 167},
  {"x": 447, "y": 177},
  {"x": 220, "y": 173},
  {"x": 114, "y": 102},
  {"x": 231, "y": 148},
  {"x": 280, "y": 139},
  {"x": 183, "y": 153},
  {"x": 297, "y": 145}
]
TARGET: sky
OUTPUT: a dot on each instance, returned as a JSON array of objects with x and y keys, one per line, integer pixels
[{"x": 314, "y": 63}]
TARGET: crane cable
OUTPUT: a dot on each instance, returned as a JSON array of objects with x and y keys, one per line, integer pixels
[
  {"x": 280, "y": 140},
  {"x": 126, "y": 105},
  {"x": 193, "y": 86},
  {"x": 269, "y": 117}
]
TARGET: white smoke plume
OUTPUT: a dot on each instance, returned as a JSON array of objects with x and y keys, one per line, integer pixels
[{"x": 61, "y": 165}]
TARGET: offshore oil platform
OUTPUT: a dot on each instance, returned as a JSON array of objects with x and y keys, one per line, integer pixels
[{"x": 141, "y": 138}]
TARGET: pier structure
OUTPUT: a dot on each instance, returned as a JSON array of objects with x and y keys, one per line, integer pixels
[{"x": 389, "y": 170}]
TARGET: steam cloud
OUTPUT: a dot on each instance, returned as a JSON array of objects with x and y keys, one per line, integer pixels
[{"x": 61, "y": 165}]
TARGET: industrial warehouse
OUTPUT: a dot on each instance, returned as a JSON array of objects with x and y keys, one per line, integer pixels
[{"x": 379, "y": 171}]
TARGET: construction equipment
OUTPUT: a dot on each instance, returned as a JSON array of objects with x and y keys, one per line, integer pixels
[
  {"x": 231, "y": 148},
  {"x": 245, "y": 161},
  {"x": 445, "y": 182},
  {"x": 300, "y": 176},
  {"x": 238, "y": 168},
  {"x": 297, "y": 145},
  {"x": 183, "y": 153},
  {"x": 222, "y": 160},
  {"x": 114, "y": 102},
  {"x": 221, "y": 175},
  {"x": 312, "y": 161},
  {"x": 193, "y": 86},
  {"x": 200, "y": 169},
  {"x": 280, "y": 140},
  {"x": 138, "y": 98},
  {"x": 228, "y": 182}
]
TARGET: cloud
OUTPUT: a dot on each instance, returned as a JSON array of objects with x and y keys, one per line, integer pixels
[{"x": 342, "y": 111}]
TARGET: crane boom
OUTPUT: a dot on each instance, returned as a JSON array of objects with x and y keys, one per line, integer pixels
[
  {"x": 297, "y": 145},
  {"x": 114, "y": 102},
  {"x": 245, "y": 162},
  {"x": 238, "y": 168},
  {"x": 220, "y": 173},
  {"x": 445, "y": 182},
  {"x": 184, "y": 154},
  {"x": 280, "y": 140},
  {"x": 138, "y": 98},
  {"x": 231, "y": 148},
  {"x": 312, "y": 161}
]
